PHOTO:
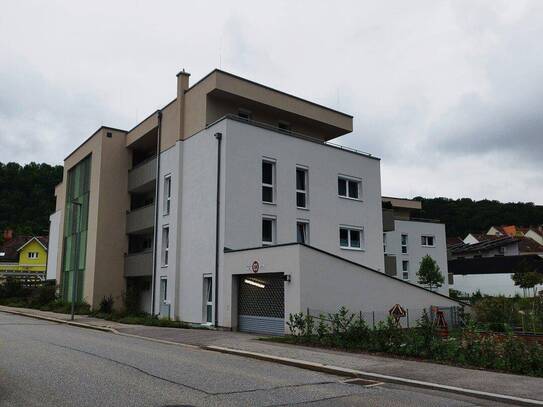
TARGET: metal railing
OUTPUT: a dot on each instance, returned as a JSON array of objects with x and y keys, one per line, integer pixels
[{"x": 293, "y": 134}]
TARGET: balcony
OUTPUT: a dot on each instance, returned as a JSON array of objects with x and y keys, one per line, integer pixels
[
  {"x": 142, "y": 177},
  {"x": 138, "y": 264},
  {"x": 390, "y": 265},
  {"x": 388, "y": 220},
  {"x": 141, "y": 220}
]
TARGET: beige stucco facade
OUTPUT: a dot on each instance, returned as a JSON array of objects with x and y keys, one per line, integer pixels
[{"x": 108, "y": 203}]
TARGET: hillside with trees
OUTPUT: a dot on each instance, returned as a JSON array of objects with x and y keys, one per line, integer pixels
[
  {"x": 27, "y": 196},
  {"x": 466, "y": 215}
]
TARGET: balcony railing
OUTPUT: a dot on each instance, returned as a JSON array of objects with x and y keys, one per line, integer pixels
[
  {"x": 143, "y": 175},
  {"x": 138, "y": 264},
  {"x": 140, "y": 220}
]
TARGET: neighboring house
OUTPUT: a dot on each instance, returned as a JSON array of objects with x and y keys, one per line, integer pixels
[
  {"x": 535, "y": 234},
  {"x": 229, "y": 206},
  {"x": 23, "y": 256},
  {"x": 411, "y": 239},
  {"x": 490, "y": 247},
  {"x": 490, "y": 275},
  {"x": 488, "y": 263}
]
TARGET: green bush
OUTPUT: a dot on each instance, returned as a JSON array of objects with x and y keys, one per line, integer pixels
[{"x": 464, "y": 347}]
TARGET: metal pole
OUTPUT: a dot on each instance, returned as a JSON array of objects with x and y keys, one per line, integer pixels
[
  {"x": 218, "y": 136},
  {"x": 76, "y": 254}
]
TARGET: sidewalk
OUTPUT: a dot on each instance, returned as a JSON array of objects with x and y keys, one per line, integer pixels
[{"x": 512, "y": 385}]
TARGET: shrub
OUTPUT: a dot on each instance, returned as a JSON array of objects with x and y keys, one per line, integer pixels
[
  {"x": 467, "y": 346},
  {"x": 42, "y": 295},
  {"x": 106, "y": 305}
]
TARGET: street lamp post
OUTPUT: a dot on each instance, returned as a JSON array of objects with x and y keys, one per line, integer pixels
[{"x": 76, "y": 254}]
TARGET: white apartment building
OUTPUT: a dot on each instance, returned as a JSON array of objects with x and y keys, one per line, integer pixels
[
  {"x": 411, "y": 239},
  {"x": 257, "y": 214}
]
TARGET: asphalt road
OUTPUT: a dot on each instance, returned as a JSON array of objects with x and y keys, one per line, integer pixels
[{"x": 46, "y": 364}]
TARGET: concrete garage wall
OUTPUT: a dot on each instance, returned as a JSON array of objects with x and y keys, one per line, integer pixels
[
  {"x": 328, "y": 282},
  {"x": 278, "y": 259},
  {"x": 323, "y": 282}
]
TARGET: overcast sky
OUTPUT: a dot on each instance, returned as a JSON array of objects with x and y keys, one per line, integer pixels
[{"x": 448, "y": 93}]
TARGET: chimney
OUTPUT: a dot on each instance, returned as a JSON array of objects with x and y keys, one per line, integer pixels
[
  {"x": 8, "y": 234},
  {"x": 182, "y": 86}
]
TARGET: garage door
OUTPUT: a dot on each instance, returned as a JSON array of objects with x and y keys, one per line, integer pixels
[{"x": 261, "y": 304}]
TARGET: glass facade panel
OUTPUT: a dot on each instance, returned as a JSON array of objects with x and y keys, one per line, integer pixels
[{"x": 75, "y": 228}]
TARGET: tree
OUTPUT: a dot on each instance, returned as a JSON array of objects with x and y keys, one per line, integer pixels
[
  {"x": 429, "y": 273},
  {"x": 526, "y": 277},
  {"x": 28, "y": 196}
]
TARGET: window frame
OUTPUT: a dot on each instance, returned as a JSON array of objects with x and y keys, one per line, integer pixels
[
  {"x": 167, "y": 194},
  {"x": 406, "y": 245},
  {"x": 208, "y": 298},
  {"x": 361, "y": 237},
  {"x": 405, "y": 270},
  {"x": 305, "y": 191},
  {"x": 165, "y": 248},
  {"x": 304, "y": 222},
  {"x": 426, "y": 244},
  {"x": 33, "y": 255},
  {"x": 348, "y": 180},
  {"x": 273, "y": 221},
  {"x": 274, "y": 180}
]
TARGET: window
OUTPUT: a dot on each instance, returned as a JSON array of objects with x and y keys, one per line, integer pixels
[
  {"x": 167, "y": 193},
  {"x": 32, "y": 255},
  {"x": 427, "y": 241},
  {"x": 384, "y": 243},
  {"x": 302, "y": 232},
  {"x": 268, "y": 181},
  {"x": 208, "y": 299},
  {"x": 404, "y": 244},
  {"x": 350, "y": 238},
  {"x": 244, "y": 114},
  {"x": 165, "y": 245},
  {"x": 163, "y": 289},
  {"x": 405, "y": 269},
  {"x": 501, "y": 251},
  {"x": 268, "y": 231},
  {"x": 349, "y": 188},
  {"x": 301, "y": 188}
]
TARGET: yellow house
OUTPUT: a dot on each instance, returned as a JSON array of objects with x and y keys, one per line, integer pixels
[{"x": 23, "y": 256}]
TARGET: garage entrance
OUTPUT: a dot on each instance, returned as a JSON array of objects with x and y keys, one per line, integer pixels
[{"x": 261, "y": 303}]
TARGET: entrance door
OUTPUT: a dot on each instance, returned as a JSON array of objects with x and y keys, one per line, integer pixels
[
  {"x": 261, "y": 303},
  {"x": 208, "y": 299}
]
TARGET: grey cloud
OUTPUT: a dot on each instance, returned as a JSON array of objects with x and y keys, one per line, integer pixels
[{"x": 42, "y": 121}]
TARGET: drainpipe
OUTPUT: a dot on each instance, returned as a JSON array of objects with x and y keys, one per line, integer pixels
[
  {"x": 218, "y": 136},
  {"x": 157, "y": 188}
]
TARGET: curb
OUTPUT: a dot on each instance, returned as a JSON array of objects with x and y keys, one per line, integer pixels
[
  {"x": 302, "y": 364},
  {"x": 345, "y": 372},
  {"x": 61, "y": 321}
]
